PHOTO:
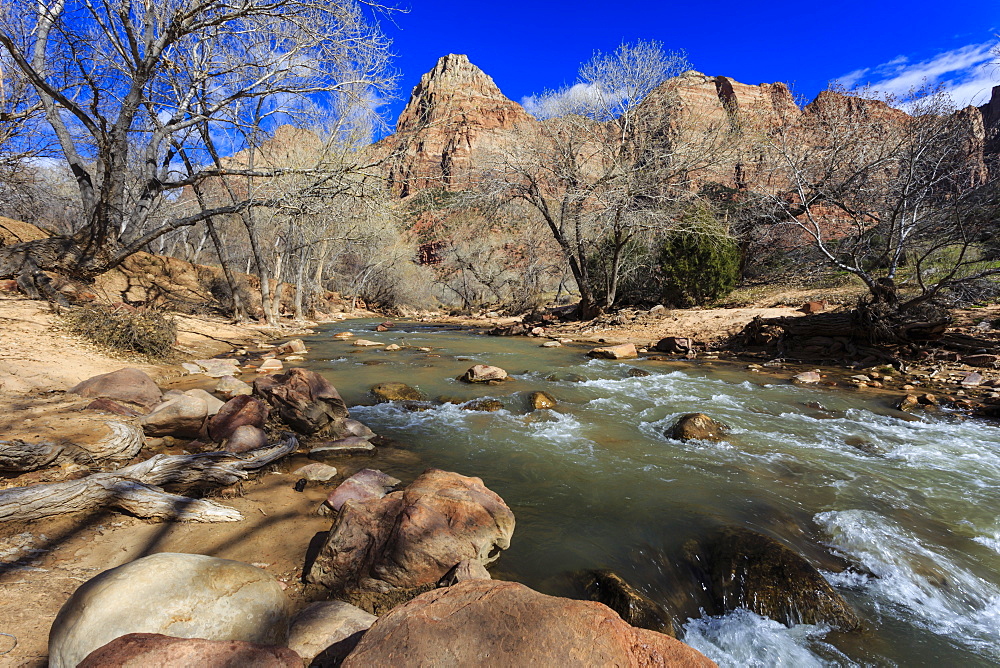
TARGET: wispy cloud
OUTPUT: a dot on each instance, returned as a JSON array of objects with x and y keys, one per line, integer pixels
[{"x": 968, "y": 73}]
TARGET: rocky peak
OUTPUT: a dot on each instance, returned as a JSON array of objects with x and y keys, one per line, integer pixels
[
  {"x": 991, "y": 121},
  {"x": 458, "y": 91}
]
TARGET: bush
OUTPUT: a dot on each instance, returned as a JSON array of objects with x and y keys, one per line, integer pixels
[
  {"x": 696, "y": 269},
  {"x": 147, "y": 331}
]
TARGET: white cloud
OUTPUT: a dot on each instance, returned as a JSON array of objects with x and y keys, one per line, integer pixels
[{"x": 968, "y": 73}]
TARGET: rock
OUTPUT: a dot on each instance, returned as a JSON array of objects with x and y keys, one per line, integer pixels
[
  {"x": 180, "y": 595},
  {"x": 212, "y": 403},
  {"x": 541, "y": 401},
  {"x": 131, "y": 385},
  {"x": 239, "y": 411},
  {"x": 365, "y": 343},
  {"x": 485, "y": 405},
  {"x": 351, "y": 445},
  {"x": 928, "y": 399},
  {"x": 327, "y": 631},
  {"x": 697, "y": 426},
  {"x": 293, "y": 347},
  {"x": 635, "y": 608},
  {"x": 637, "y": 373},
  {"x": 349, "y": 427},
  {"x": 365, "y": 485},
  {"x": 305, "y": 401},
  {"x": 229, "y": 387},
  {"x": 191, "y": 367},
  {"x": 393, "y": 347},
  {"x": 316, "y": 472},
  {"x": 659, "y": 310},
  {"x": 343, "y": 335},
  {"x": 108, "y": 406},
  {"x": 270, "y": 366},
  {"x": 972, "y": 379},
  {"x": 746, "y": 569},
  {"x": 245, "y": 438},
  {"x": 483, "y": 373},
  {"x": 465, "y": 570},
  {"x": 908, "y": 403},
  {"x": 413, "y": 537},
  {"x": 137, "y": 650},
  {"x": 537, "y": 331},
  {"x": 384, "y": 392},
  {"x": 217, "y": 368},
  {"x": 813, "y": 307},
  {"x": 674, "y": 345},
  {"x": 806, "y": 378},
  {"x": 384, "y": 327},
  {"x": 989, "y": 361},
  {"x": 619, "y": 352},
  {"x": 551, "y": 344},
  {"x": 380, "y": 602},
  {"x": 492, "y": 622},
  {"x": 181, "y": 415}
]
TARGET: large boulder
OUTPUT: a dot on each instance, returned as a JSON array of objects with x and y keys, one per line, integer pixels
[
  {"x": 179, "y": 595},
  {"x": 541, "y": 401},
  {"x": 327, "y": 631},
  {"x": 219, "y": 368},
  {"x": 138, "y": 650},
  {"x": 496, "y": 623},
  {"x": 245, "y": 438},
  {"x": 384, "y": 392},
  {"x": 131, "y": 385},
  {"x": 484, "y": 373},
  {"x": 181, "y": 415},
  {"x": 305, "y": 400},
  {"x": 414, "y": 536},
  {"x": 241, "y": 410},
  {"x": 365, "y": 485},
  {"x": 697, "y": 427},
  {"x": 745, "y": 569},
  {"x": 349, "y": 427},
  {"x": 212, "y": 402},
  {"x": 619, "y": 352},
  {"x": 674, "y": 344},
  {"x": 636, "y": 608},
  {"x": 229, "y": 387}
]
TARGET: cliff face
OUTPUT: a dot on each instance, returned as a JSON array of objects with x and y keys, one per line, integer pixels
[
  {"x": 455, "y": 116},
  {"x": 990, "y": 113}
]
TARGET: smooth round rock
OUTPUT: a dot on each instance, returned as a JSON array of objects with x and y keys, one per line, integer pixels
[{"x": 178, "y": 595}]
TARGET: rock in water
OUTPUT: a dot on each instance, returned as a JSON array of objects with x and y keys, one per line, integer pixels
[
  {"x": 746, "y": 569},
  {"x": 620, "y": 352},
  {"x": 636, "y": 608},
  {"x": 483, "y": 373},
  {"x": 674, "y": 344},
  {"x": 413, "y": 537},
  {"x": 541, "y": 401},
  {"x": 491, "y": 622},
  {"x": 131, "y": 385},
  {"x": 136, "y": 650},
  {"x": 179, "y": 595},
  {"x": 306, "y": 401},
  {"x": 328, "y": 631},
  {"x": 697, "y": 426},
  {"x": 485, "y": 405},
  {"x": 384, "y": 392}
]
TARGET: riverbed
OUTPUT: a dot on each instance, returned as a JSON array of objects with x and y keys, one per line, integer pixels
[{"x": 911, "y": 507}]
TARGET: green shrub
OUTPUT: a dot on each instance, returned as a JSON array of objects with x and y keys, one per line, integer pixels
[
  {"x": 147, "y": 331},
  {"x": 696, "y": 269}
]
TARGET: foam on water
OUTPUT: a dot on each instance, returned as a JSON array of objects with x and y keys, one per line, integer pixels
[
  {"x": 743, "y": 639},
  {"x": 947, "y": 598}
]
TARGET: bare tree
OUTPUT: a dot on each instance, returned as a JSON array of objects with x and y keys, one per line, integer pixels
[
  {"x": 126, "y": 85},
  {"x": 903, "y": 200},
  {"x": 613, "y": 159}
]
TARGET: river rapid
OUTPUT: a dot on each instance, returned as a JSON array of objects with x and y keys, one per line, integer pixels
[{"x": 913, "y": 507}]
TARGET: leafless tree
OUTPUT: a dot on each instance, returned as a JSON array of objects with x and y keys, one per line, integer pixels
[
  {"x": 127, "y": 86},
  {"x": 614, "y": 158}
]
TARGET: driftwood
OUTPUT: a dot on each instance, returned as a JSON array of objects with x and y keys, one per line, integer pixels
[
  {"x": 136, "y": 489},
  {"x": 108, "y": 440}
]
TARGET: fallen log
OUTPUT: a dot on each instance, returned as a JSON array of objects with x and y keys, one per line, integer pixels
[
  {"x": 137, "y": 488},
  {"x": 73, "y": 438}
]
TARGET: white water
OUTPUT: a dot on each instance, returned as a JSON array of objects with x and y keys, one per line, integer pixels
[{"x": 912, "y": 505}]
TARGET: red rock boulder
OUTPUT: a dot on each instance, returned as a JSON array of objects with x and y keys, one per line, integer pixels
[
  {"x": 138, "y": 650},
  {"x": 131, "y": 385},
  {"x": 496, "y": 623},
  {"x": 305, "y": 400},
  {"x": 415, "y": 536},
  {"x": 239, "y": 411}
]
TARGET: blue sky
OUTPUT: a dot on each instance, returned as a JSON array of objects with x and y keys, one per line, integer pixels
[{"x": 530, "y": 46}]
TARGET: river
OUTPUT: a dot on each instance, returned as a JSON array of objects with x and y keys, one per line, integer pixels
[{"x": 913, "y": 506}]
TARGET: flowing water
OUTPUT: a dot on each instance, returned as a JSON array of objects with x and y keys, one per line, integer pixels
[{"x": 912, "y": 506}]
